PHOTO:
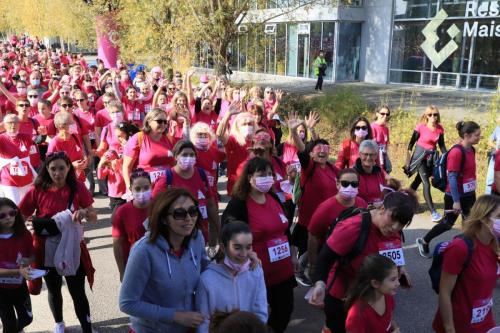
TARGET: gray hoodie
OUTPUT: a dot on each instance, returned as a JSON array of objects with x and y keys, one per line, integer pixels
[
  {"x": 157, "y": 283},
  {"x": 220, "y": 290}
]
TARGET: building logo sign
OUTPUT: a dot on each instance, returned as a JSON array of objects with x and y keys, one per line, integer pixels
[{"x": 489, "y": 9}]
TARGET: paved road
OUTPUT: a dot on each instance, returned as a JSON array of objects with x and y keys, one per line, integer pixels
[{"x": 415, "y": 308}]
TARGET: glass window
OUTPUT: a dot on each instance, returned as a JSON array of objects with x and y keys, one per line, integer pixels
[
  {"x": 327, "y": 45},
  {"x": 415, "y": 9},
  {"x": 252, "y": 48},
  {"x": 348, "y": 51},
  {"x": 260, "y": 51},
  {"x": 352, "y": 3},
  {"x": 280, "y": 48},
  {"x": 270, "y": 55},
  {"x": 315, "y": 45},
  {"x": 303, "y": 56},
  {"x": 292, "y": 52},
  {"x": 243, "y": 51}
]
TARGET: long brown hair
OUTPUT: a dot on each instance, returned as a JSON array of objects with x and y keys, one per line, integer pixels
[
  {"x": 482, "y": 209},
  {"x": 19, "y": 226},
  {"x": 430, "y": 108},
  {"x": 159, "y": 211}
]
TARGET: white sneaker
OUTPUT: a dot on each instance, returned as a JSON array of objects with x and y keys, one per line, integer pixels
[
  {"x": 59, "y": 327},
  {"x": 436, "y": 217}
]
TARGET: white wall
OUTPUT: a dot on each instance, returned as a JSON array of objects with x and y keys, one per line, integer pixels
[{"x": 376, "y": 41}]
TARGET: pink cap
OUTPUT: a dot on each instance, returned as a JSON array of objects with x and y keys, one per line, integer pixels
[
  {"x": 156, "y": 69},
  {"x": 204, "y": 78}
]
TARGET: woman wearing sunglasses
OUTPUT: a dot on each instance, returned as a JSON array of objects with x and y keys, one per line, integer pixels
[
  {"x": 381, "y": 136},
  {"x": 184, "y": 174},
  {"x": 254, "y": 203},
  {"x": 426, "y": 137},
  {"x": 150, "y": 149},
  {"x": 349, "y": 148},
  {"x": 17, "y": 160},
  {"x": 318, "y": 182},
  {"x": 329, "y": 210},
  {"x": 164, "y": 267},
  {"x": 56, "y": 190}
]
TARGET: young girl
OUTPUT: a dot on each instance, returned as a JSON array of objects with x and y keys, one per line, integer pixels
[
  {"x": 127, "y": 222},
  {"x": 16, "y": 252},
  {"x": 370, "y": 301},
  {"x": 110, "y": 167},
  {"x": 229, "y": 284},
  {"x": 381, "y": 136}
]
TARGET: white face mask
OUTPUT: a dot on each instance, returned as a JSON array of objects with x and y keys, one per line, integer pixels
[
  {"x": 302, "y": 135},
  {"x": 361, "y": 133},
  {"x": 247, "y": 131},
  {"x": 348, "y": 192},
  {"x": 142, "y": 197},
  {"x": 186, "y": 162},
  {"x": 116, "y": 117},
  {"x": 264, "y": 184},
  {"x": 202, "y": 143},
  {"x": 33, "y": 101},
  {"x": 496, "y": 227},
  {"x": 21, "y": 91}
]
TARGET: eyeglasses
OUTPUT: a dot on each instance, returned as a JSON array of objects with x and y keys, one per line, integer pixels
[
  {"x": 32, "y": 96},
  {"x": 433, "y": 115},
  {"x": 80, "y": 100},
  {"x": 66, "y": 106},
  {"x": 56, "y": 154},
  {"x": 139, "y": 173},
  {"x": 161, "y": 121},
  {"x": 384, "y": 114},
  {"x": 345, "y": 183},
  {"x": 181, "y": 213},
  {"x": 23, "y": 105},
  {"x": 171, "y": 89},
  {"x": 361, "y": 128},
  {"x": 368, "y": 155},
  {"x": 10, "y": 213}
]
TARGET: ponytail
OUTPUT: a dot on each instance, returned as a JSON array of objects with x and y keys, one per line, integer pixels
[
  {"x": 466, "y": 127},
  {"x": 402, "y": 204}
]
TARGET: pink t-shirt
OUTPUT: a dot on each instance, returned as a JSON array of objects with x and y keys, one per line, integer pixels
[
  {"x": 47, "y": 122},
  {"x": 89, "y": 117},
  {"x": 72, "y": 148},
  {"x": 290, "y": 156},
  {"x": 108, "y": 136},
  {"x": 116, "y": 184},
  {"x": 151, "y": 155},
  {"x": 102, "y": 118},
  {"x": 380, "y": 134},
  {"x": 428, "y": 138}
]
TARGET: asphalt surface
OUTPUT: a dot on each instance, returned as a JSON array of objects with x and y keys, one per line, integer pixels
[{"x": 415, "y": 308}]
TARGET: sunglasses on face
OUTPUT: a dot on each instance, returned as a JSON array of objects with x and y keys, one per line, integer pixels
[
  {"x": 80, "y": 100},
  {"x": 10, "y": 213},
  {"x": 161, "y": 121},
  {"x": 346, "y": 183},
  {"x": 181, "y": 213},
  {"x": 384, "y": 114},
  {"x": 361, "y": 128},
  {"x": 433, "y": 115},
  {"x": 66, "y": 106},
  {"x": 23, "y": 105},
  {"x": 32, "y": 96}
]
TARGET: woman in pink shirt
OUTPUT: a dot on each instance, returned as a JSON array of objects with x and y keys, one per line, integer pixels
[{"x": 381, "y": 136}]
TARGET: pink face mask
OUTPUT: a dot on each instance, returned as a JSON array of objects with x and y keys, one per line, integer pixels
[{"x": 321, "y": 149}]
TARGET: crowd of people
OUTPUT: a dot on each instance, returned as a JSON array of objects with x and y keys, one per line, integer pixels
[{"x": 157, "y": 146}]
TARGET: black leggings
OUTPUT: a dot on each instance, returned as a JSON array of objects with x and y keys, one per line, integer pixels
[
  {"x": 76, "y": 287},
  {"x": 423, "y": 175},
  {"x": 280, "y": 299},
  {"x": 14, "y": 301},
  {"x": 335, "y": 314},
  {"x": 466, "y": 202},
  {"x": 319, "y": 83}
]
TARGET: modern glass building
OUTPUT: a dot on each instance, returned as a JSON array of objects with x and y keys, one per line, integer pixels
[{"x": 375, "y": 41}]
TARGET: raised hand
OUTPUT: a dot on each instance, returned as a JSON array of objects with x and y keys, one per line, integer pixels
[
  {"x": 294, "y": 121},
  {"x": 312, "y": 120}
]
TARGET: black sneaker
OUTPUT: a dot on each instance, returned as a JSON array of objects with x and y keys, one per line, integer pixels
[
  {"x": 423, "y": 248},
  {"x": 302, "y": 279}
]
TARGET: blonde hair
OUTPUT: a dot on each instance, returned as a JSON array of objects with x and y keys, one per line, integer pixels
[
  {"x": 201, "y": 127},
  {"x": 430, "y": 108},
  {"x": 62, "y": 118},
  {"x": 11, "y": 117},
  {"x": 146, "y": 128},
  {"x": 238, "y": 121},
  {"x": 484, "y": 206}
]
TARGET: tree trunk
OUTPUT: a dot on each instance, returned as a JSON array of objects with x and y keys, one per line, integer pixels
[{"x": 220, "y": 54}]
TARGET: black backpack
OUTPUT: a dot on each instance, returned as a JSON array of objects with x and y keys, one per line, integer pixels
[
  {"x": 439, "y": 173},
  {"x": 344, "y": 215},
  {"x": 437, "y": 260}
]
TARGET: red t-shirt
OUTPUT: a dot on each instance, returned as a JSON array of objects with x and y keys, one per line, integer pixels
[
  {"x": 151, "y": 155},
  {"x": 102, "y": 118},
  {"x": 269, "y": 224},
  {"x": 319, "y": 187},
  {"x": 370, "y": 186},
  {"x": 89, "y": 119},
  {"x": 349, "y": 151},
  {"x": 472, "y": 297},
  {"x": 116, "y": 184},
  {"x": 326, "y": 213},
  {"x": 235, "y": 155},
  {"x": 108, "y": 136},
  {"x": 196, "y": 186},
  {"x": 428, "y": 138},
  {"x": 133, "y": 110},
  {"x": 22, "y": 147},
  {"x": 29, "y": 127},
  {"x": 362, "y": 318},
  {"x": 72, "y": 148},
  {"x": 208, "y": 161},
  {"x": 466, "y": 179},
  {"x": 290, "y": 155},
  {"x": 127, "y": 223},
  {"x": 496, "y": 169},
  {"x": 47, "y": 122},
  {"x": 380, "y": 133},
  {"x": 209, "y": 119},
  {"x": 342, "y": 240},
  {"x": 12, "y": 249}
]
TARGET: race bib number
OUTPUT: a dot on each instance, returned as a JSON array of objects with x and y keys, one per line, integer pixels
[
  {"x": 147, "y": 108},
  {"x": 393, "y": 251},
  {"x": 297, "y": 166},
  {"x": 11, "y": 279},
  {"x": 278, "y": 249},
  {"x": 32, "y": 149},
  {"x": 17, "y": 170},
  {"x": 210, "y": 180},
  {"x": 480, "y": 310},
  {"x": 137, "y": 115},
  {"x": 73, "y": 129},
  {"x": 155, "y": 174},
  {"x": 470, "y": 186},
  {"x": 203, "y": 212}
]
